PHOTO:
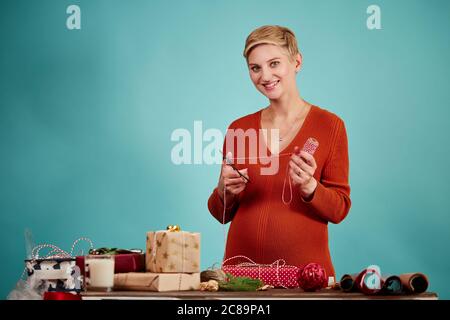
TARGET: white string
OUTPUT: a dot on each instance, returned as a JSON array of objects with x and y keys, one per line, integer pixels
[
  {"x": 288, "y": 177},
  {"x": 57, "y": 252},
  {"x": 223, "y": 218},
  {"x": 78, "y": 240}
]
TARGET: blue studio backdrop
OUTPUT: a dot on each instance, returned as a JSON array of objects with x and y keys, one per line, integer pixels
[{"x": 87, "y": 113}]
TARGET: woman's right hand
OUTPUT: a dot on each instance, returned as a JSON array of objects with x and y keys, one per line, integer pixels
[{"x": 231, "y": 181}]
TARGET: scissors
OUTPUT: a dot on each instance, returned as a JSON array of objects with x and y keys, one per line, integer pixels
[{"x": 228, "y": 162}]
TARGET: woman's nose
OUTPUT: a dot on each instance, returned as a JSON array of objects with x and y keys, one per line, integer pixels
[{"x": 266, "y": 75}]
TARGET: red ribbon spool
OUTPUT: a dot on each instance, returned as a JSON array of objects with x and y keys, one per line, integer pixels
[{"x": 61, "y": 296}]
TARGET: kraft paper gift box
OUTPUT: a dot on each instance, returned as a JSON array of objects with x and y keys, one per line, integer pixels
[
  {"x": 173, "y": 252},
  {"x": 147, "y": 281}
]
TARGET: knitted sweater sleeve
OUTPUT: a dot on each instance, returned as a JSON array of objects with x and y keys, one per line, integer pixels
[{"x": 331, "y": 199}]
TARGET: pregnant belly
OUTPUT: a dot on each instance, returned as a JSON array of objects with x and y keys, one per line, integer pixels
[{"x": 269, "y": 233}]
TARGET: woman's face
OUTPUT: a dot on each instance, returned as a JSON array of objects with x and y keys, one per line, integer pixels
[{"x": 271, "y": 70}]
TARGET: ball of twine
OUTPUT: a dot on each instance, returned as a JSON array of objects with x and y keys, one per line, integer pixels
[{"x": 214, "y": 274}]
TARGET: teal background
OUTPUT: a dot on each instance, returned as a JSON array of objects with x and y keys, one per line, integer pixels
[{"x": 86, "y": 118}]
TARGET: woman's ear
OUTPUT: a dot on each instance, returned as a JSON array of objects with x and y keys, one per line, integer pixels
[{"x": 298, "y": 62}]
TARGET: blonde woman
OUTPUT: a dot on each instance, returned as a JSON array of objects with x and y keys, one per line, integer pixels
[{"x": 283, "y": 215}]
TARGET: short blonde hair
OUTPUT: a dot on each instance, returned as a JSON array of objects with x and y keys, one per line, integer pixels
[{"x": 276, "y": 35}]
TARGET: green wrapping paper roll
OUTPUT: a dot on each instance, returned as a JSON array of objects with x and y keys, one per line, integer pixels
[{"x": 392, "y": 285}]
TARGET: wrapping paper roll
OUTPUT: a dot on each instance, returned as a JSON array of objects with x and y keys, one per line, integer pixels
[
  {"x": 369, "y": 281},
  {"x": 392, "y": 285},
  {"x": 347, "y": 282},
  {"x": 414, "y": 282}
]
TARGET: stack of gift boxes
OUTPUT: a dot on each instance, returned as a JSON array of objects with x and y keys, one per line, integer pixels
[{"x": 172, "y": 263}]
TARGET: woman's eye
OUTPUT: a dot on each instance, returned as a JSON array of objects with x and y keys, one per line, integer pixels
[
  {"x": 255, "y": 69},
  {"x": 274, "y": 63}
]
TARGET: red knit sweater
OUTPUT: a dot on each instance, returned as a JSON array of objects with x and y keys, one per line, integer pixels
[{"x": 265, "y": 229}]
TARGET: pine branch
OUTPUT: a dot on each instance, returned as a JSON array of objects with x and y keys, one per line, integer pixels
[{"x": 240, "y": 284}]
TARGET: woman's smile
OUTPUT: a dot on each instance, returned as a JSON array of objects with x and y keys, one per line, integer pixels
[{"x": 271, "y": 85}]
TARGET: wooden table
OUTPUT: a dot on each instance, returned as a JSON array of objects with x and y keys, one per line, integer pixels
[{"x": 273, "y": 294}]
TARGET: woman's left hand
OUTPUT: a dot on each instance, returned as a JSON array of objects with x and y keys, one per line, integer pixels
[{"x": 302, "y": 167}]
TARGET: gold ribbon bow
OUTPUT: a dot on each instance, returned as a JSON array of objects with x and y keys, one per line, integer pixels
[{"x": 173, "y": 228}]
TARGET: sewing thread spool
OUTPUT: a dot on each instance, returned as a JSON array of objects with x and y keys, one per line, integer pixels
[{"x": 310, "y": 146}]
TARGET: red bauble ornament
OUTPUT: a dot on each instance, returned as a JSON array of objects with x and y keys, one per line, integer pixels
[{"x": 312, "y": 277}]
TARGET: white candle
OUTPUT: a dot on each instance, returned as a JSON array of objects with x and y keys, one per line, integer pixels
[{"x": 101, "y": 272}]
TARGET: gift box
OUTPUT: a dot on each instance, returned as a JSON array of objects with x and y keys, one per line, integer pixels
[
  {"x": 277, "y": 274},
  {"x": 129, "y": 262},
  {"x": 173, "y": 252},
  {"x": 56, "y": 271},
  {"x": 147, "y": 281},
  {"x": 55, "y": 274}
]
